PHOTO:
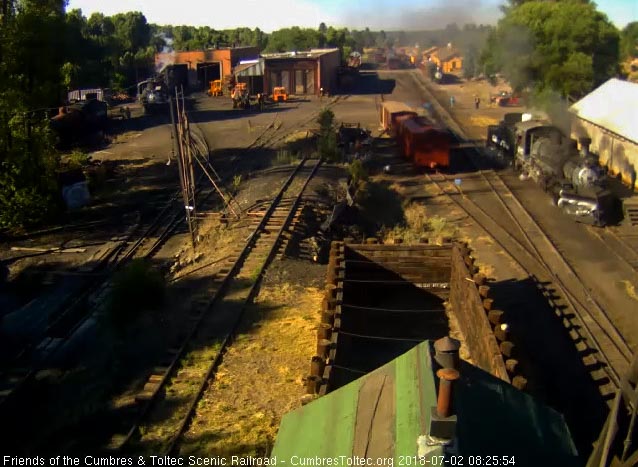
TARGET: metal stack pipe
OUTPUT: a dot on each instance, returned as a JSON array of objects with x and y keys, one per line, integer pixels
[{"x": 447, "y": 376}]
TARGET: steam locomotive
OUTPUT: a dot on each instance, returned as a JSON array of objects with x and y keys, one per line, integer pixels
[
  {"x": 154, "y": 93},
  {"x": 541, "y": 152}
]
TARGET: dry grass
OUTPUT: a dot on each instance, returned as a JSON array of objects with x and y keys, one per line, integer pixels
[
  {"x": 418, "y": 224},
  {"x": 630, "y": 289},
  {"x": 261, "y": 377},
  {"x": 297, "y": 136},
  {"x": 173, "y": 408},
  {"x": 398, "y": 188}
]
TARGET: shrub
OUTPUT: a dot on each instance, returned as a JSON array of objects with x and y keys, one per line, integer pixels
[
  {"x": 236, "y": 184},
  {"x": 78, "y": 160},
  {"x": 357, "y": 172},
  {"x": 327, "y": 143},
  {"x": 136, "y": 288}
]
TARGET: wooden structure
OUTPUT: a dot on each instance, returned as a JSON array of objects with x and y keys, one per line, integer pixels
[{"x": 383, "y": 299}]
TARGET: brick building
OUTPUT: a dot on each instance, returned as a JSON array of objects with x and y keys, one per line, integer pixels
[{"x": 205, "y": 66}]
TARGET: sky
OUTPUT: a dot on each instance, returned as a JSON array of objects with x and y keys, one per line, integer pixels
[{"x": 269, "y": 15}]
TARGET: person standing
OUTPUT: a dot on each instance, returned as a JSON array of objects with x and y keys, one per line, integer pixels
[
  {"x": 477, "y": 102},
  {"x": 452, "y": 101}
]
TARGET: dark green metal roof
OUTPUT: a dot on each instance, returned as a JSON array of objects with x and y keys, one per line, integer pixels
[{"x": 382, "y": 414}]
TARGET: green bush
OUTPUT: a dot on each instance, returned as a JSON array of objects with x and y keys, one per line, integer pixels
[
  {"x": 136, "y": 288},
  {"x": 77, "y": 160},
  {"x": 24, "y": 206},
  {"x": 29, "y": 192},
  {"x": 326, "y": 120},
  {"x": 327, "y": 142},
  {"x": 358, "y": 172}
]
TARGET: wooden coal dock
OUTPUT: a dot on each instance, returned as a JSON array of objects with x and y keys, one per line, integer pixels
[{"x": 382, "y": 300}]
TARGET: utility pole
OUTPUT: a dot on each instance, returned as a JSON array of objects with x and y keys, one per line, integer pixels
[{"x": 180, "y": 164}]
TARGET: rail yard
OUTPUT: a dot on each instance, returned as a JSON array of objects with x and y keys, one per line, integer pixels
[{"x": 292, "y": 281}]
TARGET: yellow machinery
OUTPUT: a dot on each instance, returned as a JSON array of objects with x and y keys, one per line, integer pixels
[
  {"x": 216, "y": 88},
  {"x": 240, "y": 96},
  {"x": 279, "y": 94}
]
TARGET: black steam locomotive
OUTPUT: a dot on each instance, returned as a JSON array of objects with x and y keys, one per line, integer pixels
[
  {"x": 154, "y": 93},
  {"x": 540, "y": 151}
]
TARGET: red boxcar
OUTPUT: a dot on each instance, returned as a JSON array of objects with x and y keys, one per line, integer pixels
[
  {"x": 399, "y": 128},
  {"x": 427, "y": 145},
  {"x": 390, "y": 111}
]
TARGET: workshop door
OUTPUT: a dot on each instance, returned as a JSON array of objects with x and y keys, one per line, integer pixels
[
  {"x": 310, "y": 81},
  {"x": 300, "y": 82},
  {"x": 285, "y": 80}
]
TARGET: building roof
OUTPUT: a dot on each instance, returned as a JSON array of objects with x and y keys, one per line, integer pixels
[
  {"x": 447, "y": 53},
  {"x": 613, "y": 106},
  {"x": 430, "y": 50},
  {"x": 250, "y": 68},
  {"x": 383, "y": 413},
  {"x": 312, "y": 53}
]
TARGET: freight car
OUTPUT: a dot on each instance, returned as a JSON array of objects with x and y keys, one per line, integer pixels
[
  {"x": 420, "y": 140},
  {"x": 424, "y": 143},
  {"x": 540, "y": 151},
  {"x": 78, "y": 121},
  {"x": 390, "y": 111}
]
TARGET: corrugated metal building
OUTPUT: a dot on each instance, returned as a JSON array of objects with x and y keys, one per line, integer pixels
[
  {"x": 252, "y": 73},
  {"x": 302, "y": 73},
  {"x": 205, "y": 66},
  {"x": 609, "y": 117},
  {"x": 386, "y": 416}
]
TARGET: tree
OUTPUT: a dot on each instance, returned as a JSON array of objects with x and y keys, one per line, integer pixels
[
  {"x": 294, "y": 38},
  {"x": 28, "y": 188},
  {"x": 470, "y": 59},
  {"x": 327, "y": 144},
  {"x": 629, "y": 41},
  {"x": 567, "y": 46}
]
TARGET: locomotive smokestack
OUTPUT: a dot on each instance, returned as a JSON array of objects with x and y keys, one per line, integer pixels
[{"x": 584, "y": 146}]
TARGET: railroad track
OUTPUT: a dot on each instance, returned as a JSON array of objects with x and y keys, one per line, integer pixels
[
  {"x": 271, "y": 136},
  {"x": 157, "y": 423},
  {"x": 620, "y": 245},
  {"x": 604, "y": 349},
  {"x": 139, "y": 241},
  {"x": 527, "y": 243}
]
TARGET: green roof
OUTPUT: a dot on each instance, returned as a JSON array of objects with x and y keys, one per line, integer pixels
[{"x": 382, "y": 414}]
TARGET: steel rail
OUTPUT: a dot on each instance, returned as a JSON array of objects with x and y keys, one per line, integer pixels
[{"x": 248, "y": 247}]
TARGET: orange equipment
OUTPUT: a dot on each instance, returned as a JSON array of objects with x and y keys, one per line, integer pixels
[
  {"x": 240, "y": 96},
  {"x": 216, "y": 88},
  {"x": 279, "y": 94}
]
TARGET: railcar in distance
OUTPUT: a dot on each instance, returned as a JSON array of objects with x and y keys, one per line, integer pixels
[{"x": 419, "y": 140}]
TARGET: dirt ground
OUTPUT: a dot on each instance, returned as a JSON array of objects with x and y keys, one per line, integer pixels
[{"x": 261, "y": 376}]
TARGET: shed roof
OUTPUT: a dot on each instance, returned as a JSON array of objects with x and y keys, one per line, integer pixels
[
  {"x": 250, "y": 68},
  {"x": 613, "y": 106},
  {"x": 382, "y": 414},
  {"x": 312, "y": 53},
  {"x": 447, "y": 53}
]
